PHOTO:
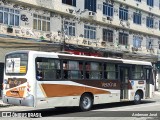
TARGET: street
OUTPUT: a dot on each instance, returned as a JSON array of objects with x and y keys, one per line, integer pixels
[{"x": 111, "y": 111}]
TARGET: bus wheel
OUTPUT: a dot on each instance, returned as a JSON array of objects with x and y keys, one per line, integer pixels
[
  {"x": 86, "y": 102},
  {"x": 137, "y": 98}
]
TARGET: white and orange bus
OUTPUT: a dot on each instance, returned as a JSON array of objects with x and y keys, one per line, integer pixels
[{"x": 49, "y": 79}]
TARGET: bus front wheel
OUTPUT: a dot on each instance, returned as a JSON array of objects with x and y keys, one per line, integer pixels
[
  {"x": 86, "y": 102},
  {"x": 137, "y": 98}
]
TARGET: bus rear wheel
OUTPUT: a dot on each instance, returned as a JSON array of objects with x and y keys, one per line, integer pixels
[
  {"x": 86, "y": 102},
  {"x": 137, "y": 98}
]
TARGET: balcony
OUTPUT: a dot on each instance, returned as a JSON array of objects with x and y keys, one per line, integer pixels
[{"x": 39, "y": 3}]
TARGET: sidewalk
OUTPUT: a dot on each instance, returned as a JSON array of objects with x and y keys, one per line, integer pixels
[
  {"x": 3, "y": 104},
  {"x": 157, "y": 93}
]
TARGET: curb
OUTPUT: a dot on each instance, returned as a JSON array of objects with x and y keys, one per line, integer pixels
[
  {"x": 5, "y": 105},
  {"x": 157, "y": 92}
]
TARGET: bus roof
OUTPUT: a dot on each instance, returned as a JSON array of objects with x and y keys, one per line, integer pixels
[{"x": 84, "y": 57}]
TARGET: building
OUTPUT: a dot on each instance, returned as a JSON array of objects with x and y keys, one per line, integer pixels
[
  {"x": 124, "y": 28},
  {"x": 111, "y": 28}
]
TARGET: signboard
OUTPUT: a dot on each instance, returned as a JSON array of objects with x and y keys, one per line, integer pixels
[{"x": 13, "y": 65}]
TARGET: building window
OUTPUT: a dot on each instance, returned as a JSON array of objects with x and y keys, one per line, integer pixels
[
  {"x": 123, "y": 38},
  {"x": 123, "y": 14},
  {"x": 9, "y": 16},
  {"x": 107, "y": 9},
  {"x": 107, "y": 35},
  {"x": 149, "y": 22},
  {"x": 90, "y": 5},
  {"x": 137, "y": 18},
  {"x": 89, "y": 32},
  {"x": 69, "y": 28},
  {"x": 69, "y": 2},
  {"x": 41, "y": 23},
  {"x": 150, "y": 2},
  {"x": 137, "y": 41}
]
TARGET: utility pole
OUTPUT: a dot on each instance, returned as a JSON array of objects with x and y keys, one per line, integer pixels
[{"x": 63, "y": 35}]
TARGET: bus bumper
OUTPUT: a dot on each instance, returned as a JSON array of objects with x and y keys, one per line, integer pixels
[{"x": 28, "y": 101}]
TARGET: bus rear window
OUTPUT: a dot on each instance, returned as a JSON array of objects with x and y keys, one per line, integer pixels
[{"x": 16, "y": 63}]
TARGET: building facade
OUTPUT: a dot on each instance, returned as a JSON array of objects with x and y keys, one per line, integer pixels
[{"x": 115, "y": 28}]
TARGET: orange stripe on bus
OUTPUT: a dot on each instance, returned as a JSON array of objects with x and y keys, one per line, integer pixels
[
  {"x": 54, "y": 90},
  {"x": 16, "y": 92}
]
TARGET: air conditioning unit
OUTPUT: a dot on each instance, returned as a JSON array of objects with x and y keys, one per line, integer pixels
[
  {"x": 156, "y": 26},
  {"x": 110, "y": 18},
  {"x": 121, "y": 5},
  {"x": 134, "y": 49},
  {"x": 89, "y": 43},
  {"x": 103, "y": 43},
  {"x": 84, "y": 41},
  {"x": 122, "y": 23},
  {"x": 104, "y": 19},
  {"x": 71, "y": 10},
  {"x": 91, "y": 14},
  {"x": 116, "y": 10},
  {"x": 128, "y": 23},
  {"x": 10, "y": 29},
  {"x": 130, "y": 16}
]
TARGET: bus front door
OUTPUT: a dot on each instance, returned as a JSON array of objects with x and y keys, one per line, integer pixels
[
  {"x": 148, "y": 73},
  {"x": 124, "y": 77}
]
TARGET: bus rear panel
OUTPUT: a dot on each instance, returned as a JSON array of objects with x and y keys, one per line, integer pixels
[{"x": 16, "y": 84}]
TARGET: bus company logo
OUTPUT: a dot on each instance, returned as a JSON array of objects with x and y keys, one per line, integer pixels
[
  {"x": 6, "y": 114},
  {"x": 23, "y": 115},
  {"x": 109, "y": 85}
]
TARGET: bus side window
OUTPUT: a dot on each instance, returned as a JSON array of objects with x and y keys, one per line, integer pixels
[
  {"x": 74, "y": 70},
  {"x": 110, "y": 71},
  {"x": 96, "y": 71},
  {"x": 137, "y": 72},
  {"x": 47, "y": 69}
]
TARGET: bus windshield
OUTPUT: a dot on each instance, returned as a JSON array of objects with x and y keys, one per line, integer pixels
[{"x": 16, "y": 63}]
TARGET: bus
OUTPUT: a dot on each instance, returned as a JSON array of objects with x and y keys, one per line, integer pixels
[{"x": 50, "y": 79}]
